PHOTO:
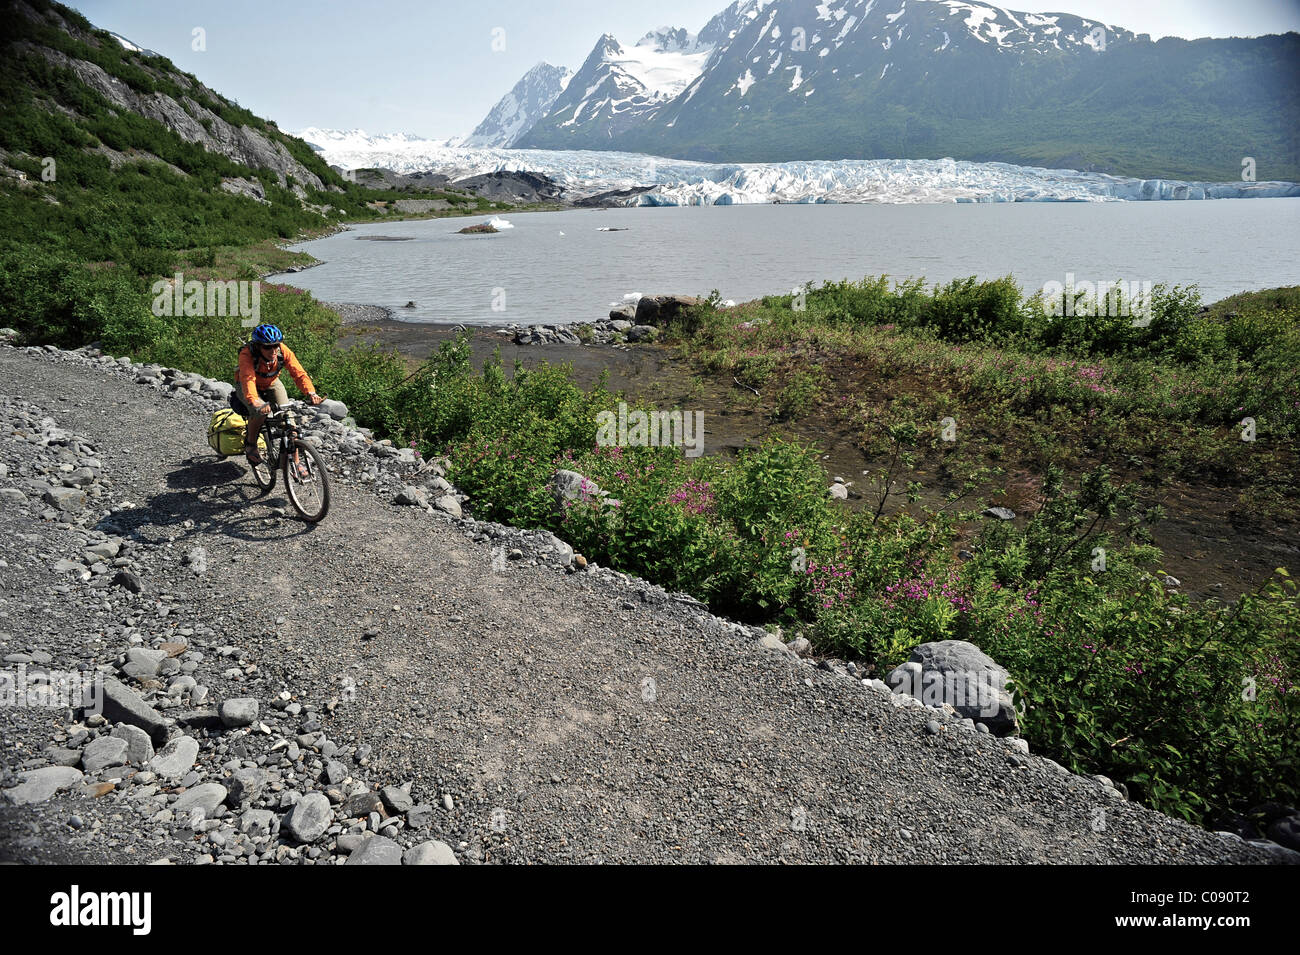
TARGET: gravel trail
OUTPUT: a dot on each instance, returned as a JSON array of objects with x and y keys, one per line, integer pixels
[{"x": 532, "y": 713}]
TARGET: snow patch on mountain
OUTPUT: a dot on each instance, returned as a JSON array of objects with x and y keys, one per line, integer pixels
[
  {"x": 663, "y": 71},
  {"x": 128, "y": 45}
]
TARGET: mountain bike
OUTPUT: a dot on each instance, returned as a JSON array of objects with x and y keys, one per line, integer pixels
[{"x": 305, "y": 479}]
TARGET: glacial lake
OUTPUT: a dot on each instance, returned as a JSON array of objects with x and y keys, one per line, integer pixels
[{"x": 559, "y": 267}]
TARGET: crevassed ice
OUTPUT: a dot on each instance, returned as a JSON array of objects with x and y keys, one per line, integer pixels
[{"x": 681, "y": 182}]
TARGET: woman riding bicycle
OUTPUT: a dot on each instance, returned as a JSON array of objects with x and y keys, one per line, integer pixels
[{"x": 258, "y": 388}]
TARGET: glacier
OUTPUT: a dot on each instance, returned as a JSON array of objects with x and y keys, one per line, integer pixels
[{"x": 678, "y": 182}]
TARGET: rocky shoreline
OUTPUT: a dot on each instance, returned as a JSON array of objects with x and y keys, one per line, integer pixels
[
  {"x": 355, "y": 314},
  {"x": 639, "y": 320}
]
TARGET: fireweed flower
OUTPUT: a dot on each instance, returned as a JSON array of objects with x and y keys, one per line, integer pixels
[
  {"x": 921, "y": 589},
  {"x": 694, "y": 496}
]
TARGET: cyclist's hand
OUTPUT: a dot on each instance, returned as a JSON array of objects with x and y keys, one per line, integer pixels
[
  {"x": 263, "y": 408},
  {"x": 316, "y": 399}
]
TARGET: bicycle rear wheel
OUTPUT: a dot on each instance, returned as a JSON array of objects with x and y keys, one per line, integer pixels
[
  {"x": 264, "y": 473},
  {"x": 309, "y": 493}
]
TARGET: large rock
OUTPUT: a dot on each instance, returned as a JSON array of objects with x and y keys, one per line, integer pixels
[
  {"x": 572, "y": 486},
  {"x": 308, "y": 820},
  {"x": 176, "y": 758},
  {"x": 238, "y": 712},
  {"x": 335, "y": 409},
  {"x": 961, "y": 674},
  {"x": 142, "y": 663},
  {"x": 662, "y": 309},
  {"x": 221, "y": 390},
  {"x": 245, "y": 785},
  {"x": 362, "y": 804},
  {"x": 249, "y": 188},
  {"x": 122, "y": 705},
  {"x": 412, "y": 497},
  {"x": 206, "y": 797},
  {"x": 430, "y": 853},
  {"x": 102, "y": 753},
  {"x": 129, "y": 581},
  {"x": 256, "y": 822},
  {"x": 379, "y": 850},
  {"x": 38, "y": 785},
  {"x": 65, "y": 498},
  {"x": 449, "y": 505},
  {"x": 139, "y": 747},
  {"x": 396, "y": 799}
]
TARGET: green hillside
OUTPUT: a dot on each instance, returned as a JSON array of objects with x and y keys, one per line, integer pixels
[{"x": 112, "y": 176}]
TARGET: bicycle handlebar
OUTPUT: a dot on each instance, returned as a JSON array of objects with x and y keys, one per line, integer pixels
[{"x": 289, "y": 409}]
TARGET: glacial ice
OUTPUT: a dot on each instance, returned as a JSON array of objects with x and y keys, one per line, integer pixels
[{"x": 678, "y": 182}]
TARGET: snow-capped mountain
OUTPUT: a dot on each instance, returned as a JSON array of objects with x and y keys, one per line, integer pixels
[
  {"x": 520, "y": 109},
  {"x": 723, "y": 27},
  {"x": 768, "y": 58},
  {"x": 775, "y": 80},
  {"x": 682, "y": 182},
  {"x": 619, "y": 88}
]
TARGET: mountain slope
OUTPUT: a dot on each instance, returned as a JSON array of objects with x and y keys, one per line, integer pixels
[
  {"x": 875, "y": 79},
  {"x": 116, "y": 169},
  {"x": 95, "y": 131},
  {"x": 617, "y": 89},
  {"x": 520, "y": 109}
]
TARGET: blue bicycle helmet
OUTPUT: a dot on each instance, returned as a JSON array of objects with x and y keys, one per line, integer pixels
[{"x": 267, "y": 335}]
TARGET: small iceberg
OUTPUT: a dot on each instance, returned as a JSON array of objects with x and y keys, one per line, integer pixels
[{"x": 500, "y": 224}]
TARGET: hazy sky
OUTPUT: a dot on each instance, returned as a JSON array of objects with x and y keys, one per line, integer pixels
[{"x": 430, "y": 68}]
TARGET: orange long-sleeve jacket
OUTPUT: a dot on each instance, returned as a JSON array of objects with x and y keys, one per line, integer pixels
[{"x": 257, "y": 374}]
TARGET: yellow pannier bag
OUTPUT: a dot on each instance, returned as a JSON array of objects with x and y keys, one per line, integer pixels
[{"x": 226, "y": 433}]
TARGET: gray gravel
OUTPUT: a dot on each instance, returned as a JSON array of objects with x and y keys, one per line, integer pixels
[
  {"x": 351, "y": 314},
  {"x": 478, "y": 709}
]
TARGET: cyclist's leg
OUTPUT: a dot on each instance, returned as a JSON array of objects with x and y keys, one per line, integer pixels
[
  {"x": 276, "y": 395},
  {"x": 279, "y": 398},
  {"x": 254, "y": 426}
]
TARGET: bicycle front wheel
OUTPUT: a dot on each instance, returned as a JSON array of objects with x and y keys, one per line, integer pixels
[
  {"x": 264, "y": 473},
  {"x": 306, "y": 481}
]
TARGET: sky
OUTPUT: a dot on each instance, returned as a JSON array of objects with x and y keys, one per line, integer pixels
[{"x": 434, "y": 69}]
